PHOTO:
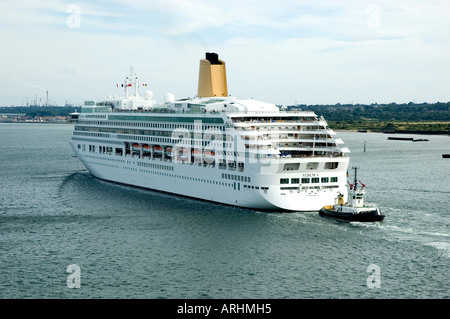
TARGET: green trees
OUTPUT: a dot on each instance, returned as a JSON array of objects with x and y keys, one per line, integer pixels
[
  {"x": 34, "y": 111},
  {"x": 380, "y": 117},
  {"x": 383, "y": 112}
]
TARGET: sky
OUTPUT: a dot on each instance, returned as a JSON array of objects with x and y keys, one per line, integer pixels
[{"x": 284, "y": 52}]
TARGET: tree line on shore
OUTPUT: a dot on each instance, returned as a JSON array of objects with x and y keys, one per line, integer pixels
[
  {"x": 383, "y": 112},
  {"x": 43, "y": 111},
  {"x": 384, "y": 117},
  {"x": 392, "y": 116}
]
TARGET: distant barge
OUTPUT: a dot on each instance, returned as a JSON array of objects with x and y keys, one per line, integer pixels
[
  {"x": 400, "y": 138},
  {"x": 407, "y": 139}
]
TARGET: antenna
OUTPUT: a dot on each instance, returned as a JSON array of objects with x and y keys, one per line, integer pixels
[
  {"x": 356, "y": 180},
  {"x": 131, "y": 80}
]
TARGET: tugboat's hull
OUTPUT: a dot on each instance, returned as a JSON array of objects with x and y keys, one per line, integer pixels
[{"x": 364, "y": 216}]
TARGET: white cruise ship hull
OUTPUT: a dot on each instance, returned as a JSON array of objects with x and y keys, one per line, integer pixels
[{"x": 207, "y": 182}]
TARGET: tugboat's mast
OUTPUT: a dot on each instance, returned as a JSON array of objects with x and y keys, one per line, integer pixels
[{"x": 356, "y": 180}]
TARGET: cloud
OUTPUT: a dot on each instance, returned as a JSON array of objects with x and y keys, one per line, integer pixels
[{"x": 307, "y": 51}]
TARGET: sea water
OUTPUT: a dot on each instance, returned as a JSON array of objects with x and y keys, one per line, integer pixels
[{"x": 66, "y": 234}]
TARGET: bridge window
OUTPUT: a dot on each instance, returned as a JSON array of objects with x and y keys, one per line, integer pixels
[
  {"x": 331, "y": 165},
  {"x": 312, "y": 165}
]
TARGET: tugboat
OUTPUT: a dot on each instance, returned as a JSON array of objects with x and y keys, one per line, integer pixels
[{"x": 355, "y": 210}]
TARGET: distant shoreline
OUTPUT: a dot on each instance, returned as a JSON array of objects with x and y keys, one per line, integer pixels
[
  {"x": 396, "y": 132},
  {"x": 36, "y": 122},
  {"x": 353, "y": 130}
]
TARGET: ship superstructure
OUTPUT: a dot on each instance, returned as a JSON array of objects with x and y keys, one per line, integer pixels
[{"x": 214, "y": 147}]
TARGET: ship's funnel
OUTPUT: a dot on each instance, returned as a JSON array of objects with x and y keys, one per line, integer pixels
[{"x": 212, "y": 78}]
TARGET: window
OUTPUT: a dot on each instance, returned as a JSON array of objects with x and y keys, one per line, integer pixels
[
  {"x": 331, "y": 165},
  {"x": 284, "y": 180},
  {"x": 291, "y": 166},
  {"x": 314, "y": 180},
  {"x": 334, "y": 179},
  {"x": 295, "y": 180},
  {"x": 312, "y": 165},
  {"x": 305, "y": 180},
  {"x": 325, "y": 180}
]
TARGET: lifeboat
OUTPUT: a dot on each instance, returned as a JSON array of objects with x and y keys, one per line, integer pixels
[
  {"x": 183, "y": 153},
  {"x": 196, "y": 153}
]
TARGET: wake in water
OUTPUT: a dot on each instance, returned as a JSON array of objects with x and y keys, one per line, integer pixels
[{"x": 442, "y": 247}]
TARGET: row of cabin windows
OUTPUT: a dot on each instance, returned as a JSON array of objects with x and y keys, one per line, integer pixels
[
  {"x": 199, "y": 126},
  {"x": 194, "y": 179},
  {"x": 307, "y": 180},
  {"x": 309, "y": 166},
  {"x": 237, "y": 177},
  {"x": 172, "y": 134}
]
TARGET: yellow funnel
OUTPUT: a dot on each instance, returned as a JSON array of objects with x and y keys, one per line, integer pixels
[{"x": 212, "y": 78}]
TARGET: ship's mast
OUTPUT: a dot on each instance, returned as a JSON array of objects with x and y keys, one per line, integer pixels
[
  {"x": 130, "y": 81},
  {"x": 356, "y": 180}
]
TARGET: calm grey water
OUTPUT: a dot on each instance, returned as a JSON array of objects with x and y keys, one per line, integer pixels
[{"x": 132, "y": 243}]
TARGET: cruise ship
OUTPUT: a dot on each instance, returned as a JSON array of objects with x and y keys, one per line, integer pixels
[{"x": 213, "y": 147}]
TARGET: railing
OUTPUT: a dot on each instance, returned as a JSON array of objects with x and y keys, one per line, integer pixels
[
  {"x": 274, "y": 129},
  {"x": 162, "y": 109}
]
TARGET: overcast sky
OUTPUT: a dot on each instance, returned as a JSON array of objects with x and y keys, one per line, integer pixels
[{"x": 283, "y": 52}]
